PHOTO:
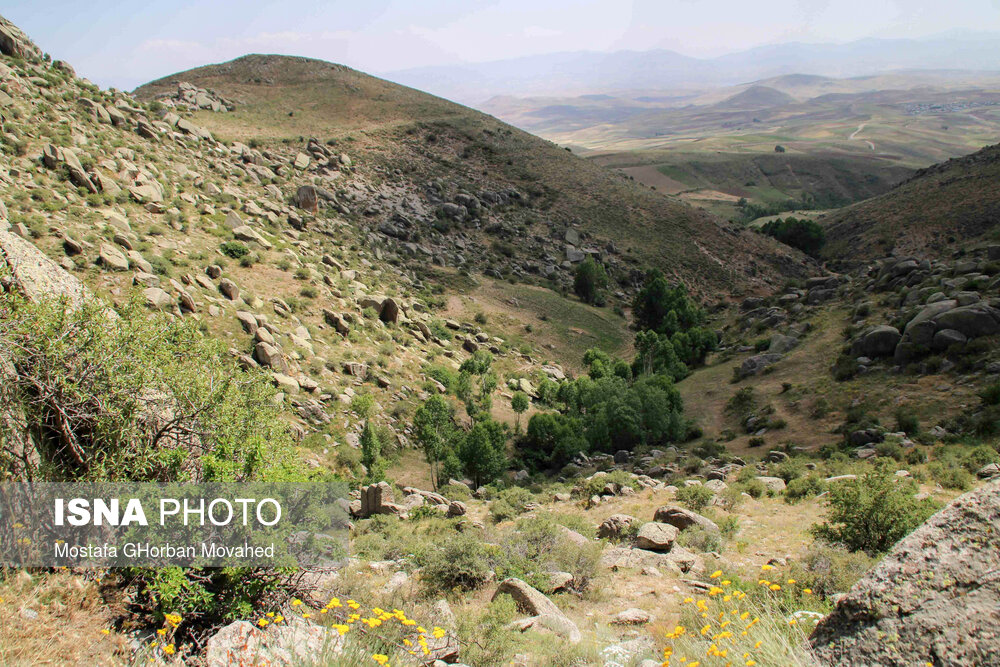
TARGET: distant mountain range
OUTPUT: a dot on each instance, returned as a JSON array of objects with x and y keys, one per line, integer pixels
[{"x": 586, "y": 72}]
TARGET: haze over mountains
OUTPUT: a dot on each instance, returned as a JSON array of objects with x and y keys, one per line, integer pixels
[{"x": 593, "y": 72}]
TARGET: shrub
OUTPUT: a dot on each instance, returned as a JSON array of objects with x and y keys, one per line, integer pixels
[
  {"x": 788, "y": 469},
  {"x": 510, "y": 503},
  {"x": 459, "y": 563},
  {"x": 829, "y": 570},
  {"x": 890, "y": 450},
  {"x": 700, "y": 540},
  {"x": 804, "y": 487},
  {"x": 950, "y": 476},
  {"x": 873, "y": 512},
  {"x": 538, "y": 546},
  {"x": 754, "y": 488},
  {"x": 234, "y": 249},
  {"x": 907, "y": 422},
  {"x": 980, "y": 456},
  {"x": 845, "y": 368},
  {"x": 696, "y": 497},
  {"x": 806, "y": 235}
]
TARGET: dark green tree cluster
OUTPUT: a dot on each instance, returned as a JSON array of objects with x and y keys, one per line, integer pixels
[
  {"x": 619, "y": 405},
  {"x": 604, "y": 415},
  {"x": 806, "y": 235},
  {"x": 671, "y": 337}
]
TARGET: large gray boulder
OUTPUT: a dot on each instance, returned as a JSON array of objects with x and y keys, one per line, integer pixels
[
  {"x": 935, "y": 599},
  {"x": 879, "y": 341},
  {"x": 528, "y": 600},
  {"x": 682, "y": 518},
  {"x": 292, "y": 643},
  {"x": 656, "y": 536},
  {"x": 757, "y": 363},
  {"x": 972, "y": 321}
]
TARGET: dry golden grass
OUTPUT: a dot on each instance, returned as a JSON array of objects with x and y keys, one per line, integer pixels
[{"x": 70, "y": 625}]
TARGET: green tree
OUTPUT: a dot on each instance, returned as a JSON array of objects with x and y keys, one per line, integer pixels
[
  {"x": 483, "y": 452},
  {"x": 664, "y": 308},
  {"x": 552, "y": 440},
  {"x": 873, "y": 512},
  {"x": 371, "y": 453},
  {"x": 806, "y": 235},
  {"x": 434, "y": 427},
  {"x": 590, "y": 281},
  {"x": 519, "y": 403}
]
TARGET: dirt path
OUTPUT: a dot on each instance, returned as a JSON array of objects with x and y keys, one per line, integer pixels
[{"x": 854, "y": 136}]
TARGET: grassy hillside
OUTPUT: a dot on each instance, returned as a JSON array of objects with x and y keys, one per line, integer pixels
[
  {"x": 949, "y": 204},
  {"x": 412, "y": 138}
]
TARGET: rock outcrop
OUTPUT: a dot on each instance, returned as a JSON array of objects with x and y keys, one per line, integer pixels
[{"x": 934, "y": 600}]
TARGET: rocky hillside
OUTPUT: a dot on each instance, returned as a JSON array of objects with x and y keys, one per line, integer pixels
[
  {"x": 355, "y": 247},
  {"x": 457, "y": 187},
  {"x": 949, "y": 205}
]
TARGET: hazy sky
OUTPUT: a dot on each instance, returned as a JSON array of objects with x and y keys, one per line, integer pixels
[{"x": 124, "y": 44}]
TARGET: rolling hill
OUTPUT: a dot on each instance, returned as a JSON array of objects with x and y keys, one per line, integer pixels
[
  {"x": 409, "y": 139},
  {"x": 940, "y": 208}
]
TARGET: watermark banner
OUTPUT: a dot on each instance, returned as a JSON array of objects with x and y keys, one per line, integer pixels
[{"x": 258, "y": 524}]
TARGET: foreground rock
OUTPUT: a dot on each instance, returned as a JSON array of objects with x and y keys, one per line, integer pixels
[
  {"x": 937, "y": 595},
  {"x": 243, "y": 644},
  {"x": 544, "y": 614}
]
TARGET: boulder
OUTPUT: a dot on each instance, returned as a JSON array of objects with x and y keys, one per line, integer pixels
[
  {"x": 936, "y": 595},
  {"x": 111, "y": 258},
  {"x": 879, "y": 341},
  {"x": 781, "y": 344},
  {"x": 973, "y": 321},
  {"x": 389, "y": 310},
  {"x": 632, "y": 616},
  {"x": 945, "y": 338},
  {"x": 271, "y": 356},
  {"x": 682, "y": 518},
  {"x": 774, "y": 484},
  {"x": 528, "y": 600},
  {"x": 757, "y": 363},
  {"x": 156, "y": 298},
  {"x": 307, "y": 199},
  {"x": 229, "y": 289},
  {"x": 656, "y": 536},
  {"x": 291, "y": 643},
  {"x": 615, "y": 526}
]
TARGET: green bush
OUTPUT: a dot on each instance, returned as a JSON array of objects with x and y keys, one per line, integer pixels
[
  {"x": 829, "y": 570},
  {"x": 907, "y": 421},
  {"x": 754, "y": 488},
  {"x": 234, "y": 249},
  {"x": 950, "y": 476},
  {"x": 806, "y": 235},
  {"x": 788, "y": 469},
  {"x": 538, "y": 546},
  {"x": 700, "y": 540},
  {"x": 460, "y": 563},
  {"x": 873, "y": 512},
  {"x": 96, "y": 388},
  {"x": 510, "y": 503},
  {"x": 804, "y": 487},
  {"x": 696, "y": 497}
]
